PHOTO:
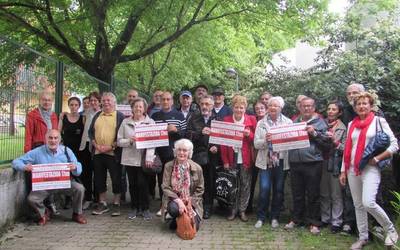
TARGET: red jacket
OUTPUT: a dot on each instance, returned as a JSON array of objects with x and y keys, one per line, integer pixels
[
  {"x": 36, "y": 128},
  {"x": 227, "y": 154}
]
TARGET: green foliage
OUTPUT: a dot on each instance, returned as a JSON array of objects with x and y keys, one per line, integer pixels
[
  {"x": 371, "y": 56},
  {"x": 161, "y": 44}
]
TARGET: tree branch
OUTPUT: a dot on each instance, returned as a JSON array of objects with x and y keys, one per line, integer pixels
[
  {"x": 130, "y": 27},
  {"x": 167, "y": 40},
  {"x": 29, "y": 6},
  {"x": 47, "y": 37}
]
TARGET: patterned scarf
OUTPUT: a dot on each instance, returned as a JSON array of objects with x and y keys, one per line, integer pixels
[
  {"x": 180, "y": 180},
  {"x": 363, "y": 125},
  {"x": 273, "y": 157}
]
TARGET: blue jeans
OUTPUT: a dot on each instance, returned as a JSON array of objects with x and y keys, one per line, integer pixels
[{"x": 271, "y": 177}]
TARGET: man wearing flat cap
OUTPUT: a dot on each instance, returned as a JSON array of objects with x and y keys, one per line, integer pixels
[
  {"x": 187, "y": 107},
  {"x": 220, "y": 110}
]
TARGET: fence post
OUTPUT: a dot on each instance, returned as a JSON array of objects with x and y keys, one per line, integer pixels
[{"x": 59, "y": 86}]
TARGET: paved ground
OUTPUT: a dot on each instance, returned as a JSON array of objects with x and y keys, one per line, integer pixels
[{"x": 104, "y": 232}]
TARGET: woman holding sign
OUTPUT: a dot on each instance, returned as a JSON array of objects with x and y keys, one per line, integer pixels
[
  {"x": 241, "y": 158},
  {"x": 132, "y": 159},
  {"x": 271, "y": 164}
]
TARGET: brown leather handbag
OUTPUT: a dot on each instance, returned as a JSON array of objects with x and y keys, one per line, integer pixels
[{"x": 186, "y": 227}]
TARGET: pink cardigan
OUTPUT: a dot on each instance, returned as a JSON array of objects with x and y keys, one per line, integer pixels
[{"x": 227, "y": 154}]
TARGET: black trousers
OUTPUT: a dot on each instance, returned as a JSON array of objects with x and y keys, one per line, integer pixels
[
  {"x": 209, "y": 184},
  {"x": 86, "y": 176},
  {"x": 254, "y": 175},
  {"x": 305, "y": 183},
  {"x": 102, "y": 163},
  {"x": 138, "y": 187}
]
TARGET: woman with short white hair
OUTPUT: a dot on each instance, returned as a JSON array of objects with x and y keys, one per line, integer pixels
[
  {"x": 182, "y": 183},
  {"x": 271, "y": 164}
]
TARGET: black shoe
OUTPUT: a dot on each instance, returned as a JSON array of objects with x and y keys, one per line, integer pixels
[
  {"x": 324, "y": 224},
  {"x": 335, "y": 229},
  {"x": 173, "y": 225},
  {"x": 207, "y": 214}
]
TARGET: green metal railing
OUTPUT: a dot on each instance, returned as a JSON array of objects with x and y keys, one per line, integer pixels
[{"x": 24, "y": 72}]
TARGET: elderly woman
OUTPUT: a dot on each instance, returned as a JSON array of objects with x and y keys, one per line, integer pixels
[
  {"x": 271, "y": 164},
  {"x": 132, "y": 158},
  {"x": 182, "y": 182},
  {"x": 331, "y": 192},
  {"x": 240, "y": 158},
  {"x": 364, "y": 182}
]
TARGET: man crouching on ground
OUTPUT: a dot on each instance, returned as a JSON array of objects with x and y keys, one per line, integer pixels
[{"x": 53, "y": 152}]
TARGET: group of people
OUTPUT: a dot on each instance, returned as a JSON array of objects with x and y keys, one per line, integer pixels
[{"x": 330, "y": 181}]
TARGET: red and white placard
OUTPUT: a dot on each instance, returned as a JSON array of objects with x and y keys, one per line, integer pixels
[
  {"x": 124, "y": 109},
  {"x": 50, "y": 176},
  {"x": 226, "y": 133},
  {"x": 151, "y": 135},
  {"x": 291, "y": 136}
]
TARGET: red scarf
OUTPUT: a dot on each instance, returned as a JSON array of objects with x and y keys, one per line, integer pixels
[{"x": 363, "y": 125}]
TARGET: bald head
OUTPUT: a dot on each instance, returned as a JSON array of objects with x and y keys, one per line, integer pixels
[
  {"x": 132, "y": 95},
  {"x": 53, "y": 139},
  {"x": 46, "y": 100}
]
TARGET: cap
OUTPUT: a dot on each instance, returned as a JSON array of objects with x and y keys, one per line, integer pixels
[
  {"x": 186, "y": 93},
  {"x": 201, "y": 86},
  {"x": 218, "y": 90}
]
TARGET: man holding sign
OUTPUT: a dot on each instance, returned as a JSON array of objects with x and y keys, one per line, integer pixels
[
  {"x": 306, "y": 169},
  {"x": 52, "y": 153}
]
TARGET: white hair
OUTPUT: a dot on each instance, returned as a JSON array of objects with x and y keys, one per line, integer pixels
[
  {"x": 109, "y": 94},
  {"x": 277, "y": 99},
  {"x": 184, "y": 144},
  {"x": 359, "y": 86},
  {"x": 210, "y": 97}
]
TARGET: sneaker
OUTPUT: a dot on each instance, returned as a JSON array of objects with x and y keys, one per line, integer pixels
[
  {"x": 258, "y": 224},
  {"x": 53, "y": 209},
  {"x": 159, "y": 213},
  {"x": 290, "y": 225},
  {"x": 335, "y": 229},
  {"x": 116, "y": 210},
  {"x": 168, "y": 216},
  {"x": 274, "y": 223},
  {"x": 358, "y": 245},
  {"x": 147, "y": 215},
  {"x": 346, "y": 230},
  {"x": 391, "y": 238},
  {"x": 86, "y": 205},
  {"x": 314, "y": 230},
  {"x": 133, "y": 214},
  {"x": 101, "y": 209}
]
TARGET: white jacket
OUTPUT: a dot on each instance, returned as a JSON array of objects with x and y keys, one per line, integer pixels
[
  {"x": 261, "y": 144},
  {"x": 131, "y": 156}
]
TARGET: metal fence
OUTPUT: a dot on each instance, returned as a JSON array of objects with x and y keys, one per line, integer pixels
[{"x": 25, "y": 72}]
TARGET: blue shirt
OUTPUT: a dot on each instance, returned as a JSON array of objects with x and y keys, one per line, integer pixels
[{"x": 43, "y": 155}]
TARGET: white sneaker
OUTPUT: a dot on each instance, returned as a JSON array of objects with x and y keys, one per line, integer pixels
[
  {"x": 159, "y": 213},
  {"x": 274, "y": 223},
  {"x": 314, "y": 230},
  {"x": 290, "y": 225},
  {"x": 391, "y": 238},
  {"x": 359, "y": 244},
  {"x": 258, "y": 224}
]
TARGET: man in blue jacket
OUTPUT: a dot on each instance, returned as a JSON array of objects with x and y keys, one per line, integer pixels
[{"x": 53, "y": 152}]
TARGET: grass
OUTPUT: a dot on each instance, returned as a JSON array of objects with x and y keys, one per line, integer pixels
[{"x": 11, "y": 146}]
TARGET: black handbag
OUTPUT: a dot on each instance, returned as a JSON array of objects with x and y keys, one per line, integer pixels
[
  {"x": 156, "y": 168},
  {"x": 226, "y": 185},
  {"x": 201, "y": 158}
]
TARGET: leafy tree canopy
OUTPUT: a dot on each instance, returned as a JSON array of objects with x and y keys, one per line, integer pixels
[{"x": 178, "y": 41}]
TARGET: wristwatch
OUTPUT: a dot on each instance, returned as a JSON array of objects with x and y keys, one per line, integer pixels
[{"x": 376, "y": 160}]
